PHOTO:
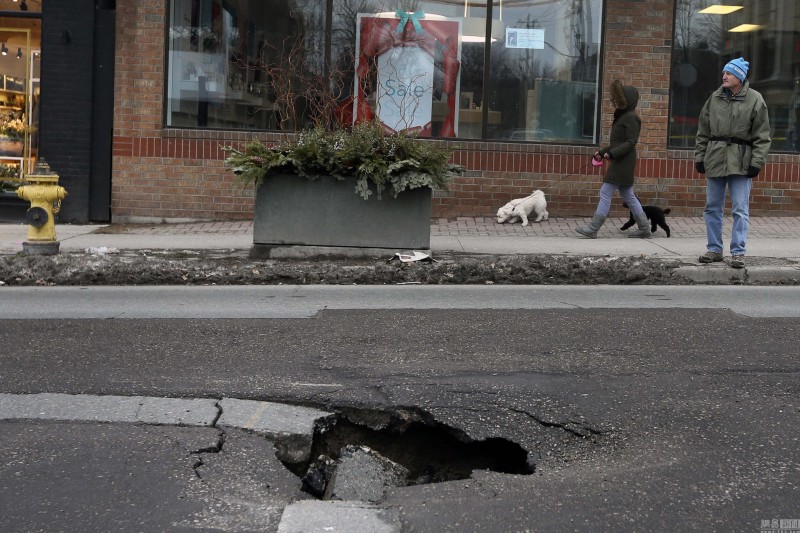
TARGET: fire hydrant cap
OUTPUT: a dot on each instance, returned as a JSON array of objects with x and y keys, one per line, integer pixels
[{"x": 36, "y": 217}]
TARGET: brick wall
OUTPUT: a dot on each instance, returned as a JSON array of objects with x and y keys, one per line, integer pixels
[
  {"x": 178, "y": 174},
  {"x": 162, "y": 173}
]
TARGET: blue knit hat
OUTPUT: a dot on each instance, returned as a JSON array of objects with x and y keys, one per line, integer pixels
[{"x": 738, "y": 67}]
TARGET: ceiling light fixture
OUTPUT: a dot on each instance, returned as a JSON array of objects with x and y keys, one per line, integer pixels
[
  {"x": 19, "y": 53},
  {"x": 23, "y": 6},
  {"x": 720, "y": 9},
  {"x": 741, "y": 28},
  {"x": 4, "y": 50}
]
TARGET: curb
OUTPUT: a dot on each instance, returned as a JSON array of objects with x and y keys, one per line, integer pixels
[
  {"x": 273, "y": 420},
  {"x": 321, "y": 516},
  {"x": 773, "y": 274},
  {"x": 726, "y": 275}
]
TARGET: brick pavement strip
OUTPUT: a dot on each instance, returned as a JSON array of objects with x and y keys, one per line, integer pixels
[
  {"x": 774, "y": 227},
  {"x": 565, "y": 227}
]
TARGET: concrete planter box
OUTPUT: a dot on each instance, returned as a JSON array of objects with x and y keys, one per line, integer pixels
[{"x": 298, "y": 217}]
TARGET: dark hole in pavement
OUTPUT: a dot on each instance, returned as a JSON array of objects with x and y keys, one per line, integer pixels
[{"x": 430, "y": 451}]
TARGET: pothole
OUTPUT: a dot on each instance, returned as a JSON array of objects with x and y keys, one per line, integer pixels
[{"x": 364, "y": 448}]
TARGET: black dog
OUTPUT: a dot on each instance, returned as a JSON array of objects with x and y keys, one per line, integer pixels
[{"x": 655, "y": 215}]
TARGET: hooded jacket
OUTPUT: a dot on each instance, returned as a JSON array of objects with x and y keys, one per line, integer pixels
[
  {"x": 742, "y": 117},
  {"x": 624, "y": 135}
]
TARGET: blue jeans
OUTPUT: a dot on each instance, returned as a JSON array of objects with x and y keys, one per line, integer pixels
[
  {"x": 625, "y": 191},
  {"x": 739, "y": 187}
]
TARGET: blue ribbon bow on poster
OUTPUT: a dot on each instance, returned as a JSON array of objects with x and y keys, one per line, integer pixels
[{"x": 414, "y": 17}]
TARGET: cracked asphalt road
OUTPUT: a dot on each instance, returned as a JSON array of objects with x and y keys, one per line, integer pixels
[
  {"x": 696, "y": 409},
  {"x": 140, "y": 478}
]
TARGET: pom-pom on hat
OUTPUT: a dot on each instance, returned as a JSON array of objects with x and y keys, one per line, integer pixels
[{"x": 738, "y": 67}]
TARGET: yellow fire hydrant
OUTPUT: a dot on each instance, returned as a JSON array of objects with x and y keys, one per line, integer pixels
[{"x": 44, "y": 194}]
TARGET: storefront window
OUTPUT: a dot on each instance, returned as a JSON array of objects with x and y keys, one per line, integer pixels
[
  {"x": 20, "y": 58},
  {"x": 708, "y": 35},
  {"x": 412, "y": 64},
  {"x": 544, "y": 76},
  {"x": 243, "y": 64}
]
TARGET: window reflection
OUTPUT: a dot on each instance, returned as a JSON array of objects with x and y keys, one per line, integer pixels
[
  {"x": 272, "y": 65},
  {"x": 246, "y": 64},
  {"x": 542, "y": 82},
  {"x": 764, "y": 32},
  {"x": 544, "y": 75}
]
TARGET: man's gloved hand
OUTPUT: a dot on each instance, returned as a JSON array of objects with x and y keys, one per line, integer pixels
[
  {"x": 701, "y": 167},
  {"x": 752, "y": 171}
]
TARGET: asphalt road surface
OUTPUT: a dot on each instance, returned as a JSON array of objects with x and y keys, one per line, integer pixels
[{"x": 641, "y": 408}]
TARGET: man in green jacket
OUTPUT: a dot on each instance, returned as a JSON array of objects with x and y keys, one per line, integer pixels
[{"x": 733, "y": 140}]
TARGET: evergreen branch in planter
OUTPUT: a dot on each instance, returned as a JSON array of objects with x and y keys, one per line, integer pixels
[{"x": 365, "y": 153}]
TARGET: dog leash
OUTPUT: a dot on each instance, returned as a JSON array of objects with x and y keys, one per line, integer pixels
[
  {"x": 562, "y": 178},
  {"x": 573, "y": 174},
  {"x": 513, "y": 209}
]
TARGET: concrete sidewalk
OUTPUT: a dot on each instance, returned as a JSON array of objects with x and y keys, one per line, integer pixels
[
  {"x": 773, "y": 248},
  {"x": 769, "y": 237}
]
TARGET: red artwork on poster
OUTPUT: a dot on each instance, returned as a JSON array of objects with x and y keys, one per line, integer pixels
[{"x": 400, "y": 52}]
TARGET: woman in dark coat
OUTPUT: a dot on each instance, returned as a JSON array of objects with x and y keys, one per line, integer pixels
[{"x": 621, "y": 152}]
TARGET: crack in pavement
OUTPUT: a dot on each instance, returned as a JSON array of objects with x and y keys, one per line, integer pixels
[
  {"x": 214, "y": 448},
  {"x": 566, "y": 427}
]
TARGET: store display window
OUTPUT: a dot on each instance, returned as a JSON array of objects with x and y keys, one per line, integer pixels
[
  {"x": 708, "y": 35},
  {"x": 414, "y": 65},
  {"x": 19, "y": 96}
]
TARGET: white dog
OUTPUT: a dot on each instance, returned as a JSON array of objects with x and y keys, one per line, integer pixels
[{"x": 521, "y": 209}]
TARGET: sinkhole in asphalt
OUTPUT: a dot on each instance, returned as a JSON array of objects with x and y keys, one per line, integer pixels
[{"x": 430, "y": 451}]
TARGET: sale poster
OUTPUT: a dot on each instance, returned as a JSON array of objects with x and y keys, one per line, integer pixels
[
  {"x": 408, "y": 72},
  {"x": 405, "y": 88}
]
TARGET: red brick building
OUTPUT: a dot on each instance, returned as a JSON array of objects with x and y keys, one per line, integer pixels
[{"x": 164, "y": 166}]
